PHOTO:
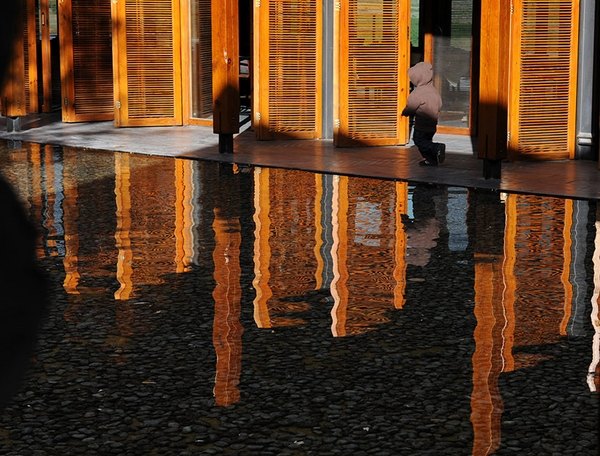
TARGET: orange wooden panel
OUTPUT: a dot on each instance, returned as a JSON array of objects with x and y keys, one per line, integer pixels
[
  {"x": 225, "y": 67},
  {"x": 493, "y": 85},
  {"x": 86, "y": 60},
  {"x": 288, "y": 88},
  {"x": 373, "y": 66},
  {"x": 19, "y": 89},
  {"x": 147, "y": 62},
  {"x": 543, "y": 79}
]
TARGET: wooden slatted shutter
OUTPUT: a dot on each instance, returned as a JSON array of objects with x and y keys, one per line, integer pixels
[
  {"x": 373, "y": 72},
  {"x": 147, "y": 62},
  {"x": 289, "y": 87},
  {"x": 543, "y": 79},
  {"x": 19, "y": 94},
  {"x": 86, "y": 60}
]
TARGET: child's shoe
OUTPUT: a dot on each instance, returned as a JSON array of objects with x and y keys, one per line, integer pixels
[{"x": 441, "y": 152}]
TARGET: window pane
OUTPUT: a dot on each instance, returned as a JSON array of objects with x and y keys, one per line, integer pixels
[
  {"x": 201, "y": 46},
  {"x": 452, "y": 55}
]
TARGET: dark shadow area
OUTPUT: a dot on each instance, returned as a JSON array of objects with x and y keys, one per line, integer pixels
[{"x": 24, "y": 290}]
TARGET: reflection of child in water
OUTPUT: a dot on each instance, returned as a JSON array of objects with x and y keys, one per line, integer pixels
[
  {"x": 422, "y": 232},
  {"x": 424, "y": 104},
  {"x": 420, "y": 239}
]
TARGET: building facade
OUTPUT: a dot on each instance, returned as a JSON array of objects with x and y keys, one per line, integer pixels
[{"x": 519, "y": 76}]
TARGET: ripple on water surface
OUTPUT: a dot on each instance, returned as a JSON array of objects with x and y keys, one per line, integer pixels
[{"x": 196, "y": 310}]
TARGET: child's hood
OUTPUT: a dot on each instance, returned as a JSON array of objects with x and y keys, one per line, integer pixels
[{"x": 420, "y": 74}]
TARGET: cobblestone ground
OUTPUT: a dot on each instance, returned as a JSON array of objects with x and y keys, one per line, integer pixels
[{"x": 154, "y": 360}]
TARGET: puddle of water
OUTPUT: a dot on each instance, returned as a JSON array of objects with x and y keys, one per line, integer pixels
[{"x": 203, "y": 308}]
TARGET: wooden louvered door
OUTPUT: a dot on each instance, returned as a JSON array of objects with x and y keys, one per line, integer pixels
[
  {"x": 147, "y": 62},
  {"x": 288, "y": 89},
  {"x": 543, "y": 79},
  {"x": 372, "y": 70},
  {"x": 19, "y": 94},
  {"x": 86, "y": 60}
]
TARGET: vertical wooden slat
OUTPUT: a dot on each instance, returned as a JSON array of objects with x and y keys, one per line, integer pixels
[
  {"x": 289, "y": 69},
  {"x": 225, "y": 67},
  {"x": 373, "y": 64},
  {"x": 147, "y": 62},
  {"x": 493, "y": 85},
  {"x": 543, "y": 79}
]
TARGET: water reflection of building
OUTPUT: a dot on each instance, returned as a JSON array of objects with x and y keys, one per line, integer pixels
[
  {"x": 227, "y": 328},
  {"x": 356, "y": 226},
  {"x": 593, "y": 377},
  {"x": 341, "y": 237},
  {"x": 528, "y": 296},
  {"x": 71, "y": 217}
]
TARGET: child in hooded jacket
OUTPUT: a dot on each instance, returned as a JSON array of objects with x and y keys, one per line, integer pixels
[{"x": 424, "y": 104}]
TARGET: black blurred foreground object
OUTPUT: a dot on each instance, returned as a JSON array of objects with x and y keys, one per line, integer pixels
[{"x": 23, "y": 293}]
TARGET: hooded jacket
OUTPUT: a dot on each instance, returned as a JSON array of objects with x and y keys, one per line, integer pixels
[{"x": 424, "y": 102}]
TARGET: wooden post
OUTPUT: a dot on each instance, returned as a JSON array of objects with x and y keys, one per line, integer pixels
[
  {"x": 493, "y": 87},
  {"x": 46, "y": 56},
  {"x": 225, "y": 66}
]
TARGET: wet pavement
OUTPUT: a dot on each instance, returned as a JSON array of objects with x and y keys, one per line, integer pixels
[
  {"x": 569, "y": 178},
  {"x": 203, "y": 308}
]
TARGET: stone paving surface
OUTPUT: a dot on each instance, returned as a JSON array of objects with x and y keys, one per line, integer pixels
[{"x": 573, "y": 178}]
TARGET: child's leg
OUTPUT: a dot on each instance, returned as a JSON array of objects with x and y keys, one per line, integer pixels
[
  {"x": 440, "y": 152},
  {"x": 427, "y": 148}
]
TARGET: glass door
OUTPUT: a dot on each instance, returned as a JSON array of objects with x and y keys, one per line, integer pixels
[
  {"x": 441, "y": 33},
  {"x": 200, "y": 41}
]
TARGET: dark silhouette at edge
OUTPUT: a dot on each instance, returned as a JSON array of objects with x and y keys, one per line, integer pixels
[{"x": 23, "y": 285}]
